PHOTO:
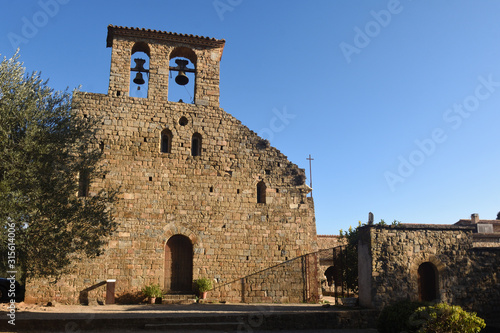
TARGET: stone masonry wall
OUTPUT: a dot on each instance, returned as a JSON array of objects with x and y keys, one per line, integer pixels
[
  {"x": 211, "y": 199},
  {"x": 293, "y": 281},
  {"x": 329, "y": 241},
  {"x": 390, "y": 256}
]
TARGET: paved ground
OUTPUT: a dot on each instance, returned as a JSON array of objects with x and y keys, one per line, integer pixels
[{"x": 252, "y": 316}]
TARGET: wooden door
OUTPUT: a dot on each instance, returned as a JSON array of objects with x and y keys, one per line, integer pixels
[{"x": 179, "y": 264}]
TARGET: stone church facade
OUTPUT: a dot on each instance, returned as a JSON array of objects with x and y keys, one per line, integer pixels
[{"x": 201, "y": 195}]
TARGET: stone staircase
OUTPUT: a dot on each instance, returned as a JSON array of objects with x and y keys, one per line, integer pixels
[{"x": 178, "y": 299}]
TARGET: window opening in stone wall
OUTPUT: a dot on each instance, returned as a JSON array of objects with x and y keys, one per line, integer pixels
[
  {"x": 139, "y": 70},
  {"x": 427, "y": 282},
  {"x": 183, "y": 121},
  {"x": 182, "y": 78},
  {"x": 83, "y": 183},
  {"x": 261, "y": 192},
  {"x": 196, "y": 145},
  {"x": 166, "y": 141}
]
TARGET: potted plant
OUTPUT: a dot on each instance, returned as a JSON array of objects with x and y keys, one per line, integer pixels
[
  {"x": 152, "y": 292},
  {"x": 203, "y": 285}
]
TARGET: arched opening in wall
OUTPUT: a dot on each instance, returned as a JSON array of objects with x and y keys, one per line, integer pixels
[
  {"x": 329, "y": 274},
  {"x": 139, "y": 70},
  {"x": 179, "y": 264},
  {"x": 261, "y": 192},
  {"x": 166, "y": 141},
  {"x": 196, "y": 145},
  {"x": 182, "y": 78},
  {"x": 427, "y": 282}
]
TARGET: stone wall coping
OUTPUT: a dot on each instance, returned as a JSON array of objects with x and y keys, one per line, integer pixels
[
  {"x": 487, "y": 235},
  {"x": 329, "y": 236},
  {"x": 417, "y": 226}
]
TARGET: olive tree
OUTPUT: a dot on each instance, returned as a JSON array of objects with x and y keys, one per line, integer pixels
[{"x": 44, "y": 148}]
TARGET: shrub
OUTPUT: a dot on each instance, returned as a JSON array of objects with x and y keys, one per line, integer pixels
[
  {"x": 394, "y": 318},
  {"x": 153, "y": 290},
  {"x": 203, "y": 285},
  {"x": 444, "y": 318}
]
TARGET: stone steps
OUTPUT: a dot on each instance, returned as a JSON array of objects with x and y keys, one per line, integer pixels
[{"x": 178, "y": 299}]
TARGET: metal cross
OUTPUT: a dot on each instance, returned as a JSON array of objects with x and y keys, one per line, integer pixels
[{"x": 310, "y": 159}]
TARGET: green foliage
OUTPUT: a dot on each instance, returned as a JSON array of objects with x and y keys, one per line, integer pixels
[
  {"x": 444, "y": 318},
  {"x": 153, "y": 290},
  {"x": 394, "y": 318},
  {"x": 203, "y": 284},
  {"x": 350, "y": 259},
  {"x": 44, "y": 146}
]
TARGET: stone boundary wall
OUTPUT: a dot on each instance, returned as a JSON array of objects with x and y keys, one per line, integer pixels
[
  {"x": 329, "y": 241},
  {"x": 294, "y": 281},
  {"x": 389, "y": 258}
]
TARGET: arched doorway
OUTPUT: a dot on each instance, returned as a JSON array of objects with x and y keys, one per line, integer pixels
[
  {"x": 330, "y": 276},
  {"x": 427, "y": 282},
  {"x": 179, "y": 264}
]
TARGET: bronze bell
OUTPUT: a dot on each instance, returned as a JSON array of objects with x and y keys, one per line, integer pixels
[
  {"x": 181, "y": 78},
  {"x": 138, "y": 78},
  {"x": 139, "y": 65}
]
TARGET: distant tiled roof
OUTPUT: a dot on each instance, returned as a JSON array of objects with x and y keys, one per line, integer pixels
[
  {"x": 160, "y": 35},
  {"x": 494, "y": 223}
]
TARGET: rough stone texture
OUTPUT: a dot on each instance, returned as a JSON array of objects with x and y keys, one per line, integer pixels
[
  {"x": 293, "y": 281},
  {"x": 211, "y": 199},
  {"x": 329, "y": 241},
  {"x": 389, "y": 258}
]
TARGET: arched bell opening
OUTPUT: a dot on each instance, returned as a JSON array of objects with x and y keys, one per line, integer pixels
[
  {"x": 182, "y": 78},
  {"x": 139, "y": 70}
]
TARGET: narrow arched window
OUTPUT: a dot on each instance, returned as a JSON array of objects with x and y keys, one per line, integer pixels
[
  {"x": 196, "y": 145},
  {"x": 83, "y": 183},
  {"x": 261, "y": 192},
  {"x": 166, "y": 141}
]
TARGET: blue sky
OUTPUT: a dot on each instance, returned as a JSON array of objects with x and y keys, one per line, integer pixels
[{"x": 397, "y": 101}]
